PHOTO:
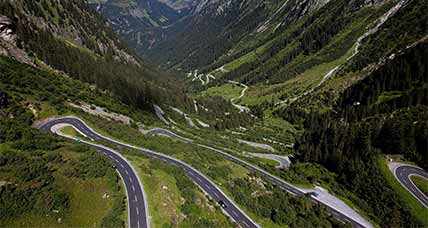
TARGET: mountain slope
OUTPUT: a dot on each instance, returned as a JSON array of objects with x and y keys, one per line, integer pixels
[
  {"x": 384, "y": 113},
  {"x": 70, "y": 37},
  {"x": 344, "y": 73},
  {"x": 216, "y": 26},
  {"x": 180, "y": 4},
  {"x": 138, "y": 21}
]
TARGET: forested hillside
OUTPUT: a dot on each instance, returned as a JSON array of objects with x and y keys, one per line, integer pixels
[
  {"x": 376, "y": 104},
  {"x": 70, "y": 37},
  {"x": 385, "y": 113},
  {"x": 222, "y": 32},
  {"x": 210, "y": 32},
  {"x": 403, "y": 30},
  {"x": 275, "y": 41},
  {"x": 286, "y": 51}
]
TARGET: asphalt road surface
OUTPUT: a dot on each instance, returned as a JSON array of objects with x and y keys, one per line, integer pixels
[
  {"x": 403, "y": 174},
  {"x": 202, "y": 181},
  {"x": 137, "y": 205}
]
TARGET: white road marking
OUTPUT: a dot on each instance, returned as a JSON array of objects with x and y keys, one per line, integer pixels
[
  {"x": 135, "y": 197},
  {"x": 138, "y": 211},
  {"x": 245, "y": 223},
  {"x": 133, "y": 188},
  {"x": 216, "y": 195}
]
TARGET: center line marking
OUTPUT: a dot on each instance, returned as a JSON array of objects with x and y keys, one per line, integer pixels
[
  {"x": 245, "y": 223},
  {"x": 216, "y": 195}
]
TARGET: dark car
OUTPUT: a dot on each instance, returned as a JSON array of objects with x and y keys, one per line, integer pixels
[
  {"x": 314, "y": 194},
  {"x": 222, "y": 204}
]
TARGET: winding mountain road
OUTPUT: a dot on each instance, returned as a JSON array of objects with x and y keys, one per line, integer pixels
[
  {"x": 284, "y": 161},
  {"x": 137, "y": 203},
  {"x": 403, "y": 173},
  {"x": 228, "y": 206},
  {"x": 336, "y": 206},
  {"x": 240, "y": 107}
]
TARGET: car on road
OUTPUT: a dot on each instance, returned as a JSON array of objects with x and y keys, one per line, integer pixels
[
  {"x": 222, "y": 204},
  {"x": 314, "y": 194}
]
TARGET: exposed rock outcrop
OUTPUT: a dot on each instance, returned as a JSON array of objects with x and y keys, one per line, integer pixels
[
  {"x": 6, "y": 32},
  {"x": 8, "y": 44}
]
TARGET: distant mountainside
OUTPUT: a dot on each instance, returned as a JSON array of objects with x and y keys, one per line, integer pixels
[
  {"x": 214, "y": 27},
  {"x": 70, "y": 37},
  {"x": 274, "y": 41},
  {"x": 255, "y": 40},
  {"x": 180, "y": 4},
  {"x": 142, "y": 23}
]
